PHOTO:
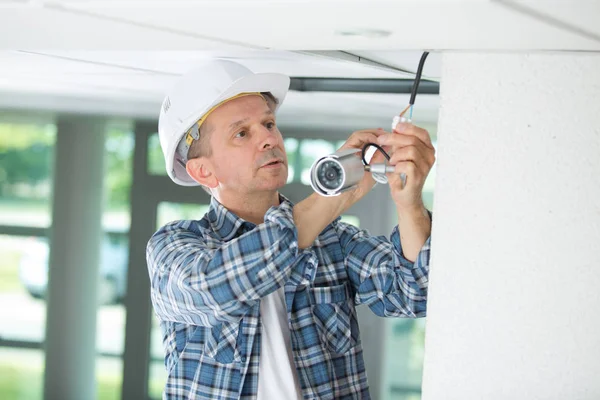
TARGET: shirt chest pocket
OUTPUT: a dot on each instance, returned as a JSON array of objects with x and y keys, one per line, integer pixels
[
  {"x": 219, "y": 342},
  {"x": 334, "y": 316},
  {"x": 222, "y": 342}
]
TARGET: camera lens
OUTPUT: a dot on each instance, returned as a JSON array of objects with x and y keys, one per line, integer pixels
[{"x": 330, "y": 175}]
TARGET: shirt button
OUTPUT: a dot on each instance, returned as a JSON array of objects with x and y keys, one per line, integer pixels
[
  {"x": 307, "y": 276},
  {"x": 309, "y": 266},
  {"x": 243, "y": 358}
]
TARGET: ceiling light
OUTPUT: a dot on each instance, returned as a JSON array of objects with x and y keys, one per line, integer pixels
[{"x": 367, "y": 33}]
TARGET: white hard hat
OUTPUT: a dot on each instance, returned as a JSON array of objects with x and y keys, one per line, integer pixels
[{"x": 198, "y": 92}]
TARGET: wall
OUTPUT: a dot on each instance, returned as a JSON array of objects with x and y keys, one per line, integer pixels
[{"x": 514, "y": 306}]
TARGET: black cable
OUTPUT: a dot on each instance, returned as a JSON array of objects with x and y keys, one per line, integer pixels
[
  {"x": 418, "y": 78},
  {"x": 411, "y": 102},
  {"x": 364, "y": 152}
]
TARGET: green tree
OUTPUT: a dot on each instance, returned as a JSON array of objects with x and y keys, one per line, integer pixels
[
  {"x": 118, "y": 167},
  {"x": 26, "y": 154}
]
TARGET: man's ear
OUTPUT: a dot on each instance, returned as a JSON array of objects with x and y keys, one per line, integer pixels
[{"x": 200, "y": 169}]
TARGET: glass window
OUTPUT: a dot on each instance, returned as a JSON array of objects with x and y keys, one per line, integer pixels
[
  {"x": 21, "y": 373},
  {"x": 109, "y": 377},
  {"x": 114, "y": 257},
  {"x": 118, "y": 173},
  {"x": 403, "y": 366},
  {"x": 23, "y": 280},
  {"x": 26, "y": 161},
  {"x": 156, "y": 160},
  {"x": 111, "y": 315}
]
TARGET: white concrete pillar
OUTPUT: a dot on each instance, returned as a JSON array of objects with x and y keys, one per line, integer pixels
[
  {"x": 74, "y": 253},
  {"x": 514, "y": 306}
]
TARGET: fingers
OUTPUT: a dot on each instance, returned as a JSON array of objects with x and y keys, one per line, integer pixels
[
  {"x": 405, "y": 136},
  {"x": 406, "y": 174},
  {"x": 359, "y": 139},
  {"x": 410, "y": 166},
  {"x": 423, "y": 156},
  {"x": 414, "y": 131},
  {"x": 412, "y": 145},
  {"x": 413, "y": 162},
  {"x": 366, "y": 133},
  {"x": 398, "y": 140}
]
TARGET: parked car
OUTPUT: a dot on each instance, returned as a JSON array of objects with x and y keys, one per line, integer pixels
[{"x": 112, "y": 282}]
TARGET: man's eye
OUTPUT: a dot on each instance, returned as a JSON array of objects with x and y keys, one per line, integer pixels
[
  {"x": 241, "y": 134},
  {"x": 270, "y": 125}
]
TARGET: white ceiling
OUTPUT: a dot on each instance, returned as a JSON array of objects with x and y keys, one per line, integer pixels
[
  {"x": 297, "y": 24},
  {"x": 119, "y": 56}
]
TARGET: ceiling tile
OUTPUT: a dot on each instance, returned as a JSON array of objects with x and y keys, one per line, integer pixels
[
  {"x": 34, "y": 27},
  {"x": 328, "y": 24},
  {"x": 579, "y": 16}
]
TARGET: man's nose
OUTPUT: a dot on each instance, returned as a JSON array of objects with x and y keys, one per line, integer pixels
[{"x": 268, "y": 139}]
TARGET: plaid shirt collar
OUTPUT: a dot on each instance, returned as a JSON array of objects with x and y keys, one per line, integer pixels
[{"x": 227, "y": 225}]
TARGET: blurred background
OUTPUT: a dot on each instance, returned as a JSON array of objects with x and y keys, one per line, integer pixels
[{"x": 82, "y": 178}]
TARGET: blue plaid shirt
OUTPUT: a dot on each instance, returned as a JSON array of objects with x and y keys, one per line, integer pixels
[{"x": 208, "y": 277}]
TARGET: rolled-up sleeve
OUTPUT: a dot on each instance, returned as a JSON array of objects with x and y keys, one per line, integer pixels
[
  {"x": 382, "y": 277},
  {"x": 194, "y": 283}
]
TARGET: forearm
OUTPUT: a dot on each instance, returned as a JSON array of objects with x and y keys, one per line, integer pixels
[
  {"x": 382, "y": 277},
  {"x": 415, "y": 228},
  {"x": 314, "y": 213},
  {"x": 207, "y": 284}
]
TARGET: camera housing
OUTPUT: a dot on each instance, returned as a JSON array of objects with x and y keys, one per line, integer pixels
[{"x": 335, "y": 173}]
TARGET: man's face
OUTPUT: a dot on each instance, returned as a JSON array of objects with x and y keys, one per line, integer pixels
[{"x": 248, "y": 154}]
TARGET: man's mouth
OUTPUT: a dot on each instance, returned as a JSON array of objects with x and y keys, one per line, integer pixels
[{"x": 273, "y": 163}]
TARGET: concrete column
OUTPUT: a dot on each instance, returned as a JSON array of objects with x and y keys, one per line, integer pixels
[
  {"x": 514, "y": 306},
  {"x": 73, "y": 265},
  {"x": 136, "y": 357}
]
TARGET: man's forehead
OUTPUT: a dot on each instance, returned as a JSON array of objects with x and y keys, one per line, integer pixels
[
  {"x": 237, "y": 121},
  {"x": 238, "y": 109}
]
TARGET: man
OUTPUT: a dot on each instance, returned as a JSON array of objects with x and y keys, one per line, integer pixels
[{"x": 257, "y": 299}]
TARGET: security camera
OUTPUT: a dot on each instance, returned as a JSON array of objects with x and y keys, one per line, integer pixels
[
  {"x": 342, "y": 170},
  {"x": 335, "y": 173}
]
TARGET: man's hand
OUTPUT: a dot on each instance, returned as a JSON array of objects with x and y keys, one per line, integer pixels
[
  {"x": 412, "y": 153},
  {"x": 313, "y": 214},
  {"x": 357, "y": 141}
]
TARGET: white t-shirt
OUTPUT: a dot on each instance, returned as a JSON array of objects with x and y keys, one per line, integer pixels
[{"x": 277, "y": 376}]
